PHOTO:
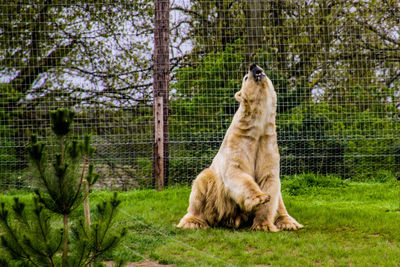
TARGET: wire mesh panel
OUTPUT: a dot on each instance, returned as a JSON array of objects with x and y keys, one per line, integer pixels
[
  {"x": 334, "y": 64},
  {"x": 91, "y": 56},
  {"x": 335, "y": 67}
]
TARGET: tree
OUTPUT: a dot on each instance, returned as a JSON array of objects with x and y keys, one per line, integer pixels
[
  {"x": 327, "y": 44},
  {"x": 61, "y": 190},
  {"x": 254, "y": 13},
  {"x": 80, "y": 54},
  {"x": 49, "y": 42}
]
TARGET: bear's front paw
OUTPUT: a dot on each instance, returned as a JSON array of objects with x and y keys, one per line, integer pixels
[
  {"x": 254, "y": 201},
  {"x": 191, "y": 222},
  {"x": 286, "y": 222},
  {"x": 264, "y": 226}
]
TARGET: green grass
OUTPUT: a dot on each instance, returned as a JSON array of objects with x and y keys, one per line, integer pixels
[{"x": 346, "y": 224}]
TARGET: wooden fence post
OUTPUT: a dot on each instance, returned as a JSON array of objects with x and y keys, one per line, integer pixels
[
  {"x": 159, "y": 168},
  {"x": 161, "y": 93}
]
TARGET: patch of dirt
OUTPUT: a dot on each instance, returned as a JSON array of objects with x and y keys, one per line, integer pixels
[
  {"x": 144, "y": 263},
  {"x": 374, "y": 235}
]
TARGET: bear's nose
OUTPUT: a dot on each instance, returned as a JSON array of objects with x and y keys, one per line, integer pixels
[
  {"x": 253, "y": 66},
  {"x": 255, "y": 69},
  {"x": 257, "y": 72}
]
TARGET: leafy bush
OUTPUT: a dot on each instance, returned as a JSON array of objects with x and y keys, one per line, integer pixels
[
  {"x": 308, "y": 183},
  {"x": 11, "y": 172},
  {"x": 325, "y": 138},
  {"x": 311, "y": 141},
  {"x": 372, "y": 147}
]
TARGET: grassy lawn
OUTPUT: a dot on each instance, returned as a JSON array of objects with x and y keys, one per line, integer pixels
[{"x": 351, "y": 224}]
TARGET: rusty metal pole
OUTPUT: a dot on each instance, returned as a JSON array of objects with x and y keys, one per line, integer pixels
[{"x": 161, "y": 93}]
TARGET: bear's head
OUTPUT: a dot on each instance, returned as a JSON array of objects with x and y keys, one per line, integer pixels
[{"x": 256, "y": 87}]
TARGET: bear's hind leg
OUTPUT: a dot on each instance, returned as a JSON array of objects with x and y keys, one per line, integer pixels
[
  {"x": 195, "y": 218},
  {"x": 284, "y": 220},
  {"x": 265, "y": 214}
]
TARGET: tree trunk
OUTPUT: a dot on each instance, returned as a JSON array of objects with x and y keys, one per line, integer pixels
[
  {"x": 280, "y": 40},
  {"x": 254, "y": 25},
  {"x": 65, "y": 247}
]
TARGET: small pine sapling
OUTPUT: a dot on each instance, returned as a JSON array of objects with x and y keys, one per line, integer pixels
[
  {"x": 62, "y": 188},
  {"x": 28, "y": 235}
]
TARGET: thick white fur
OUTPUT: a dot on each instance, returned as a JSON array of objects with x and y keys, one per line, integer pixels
[{"x": 242, "y": 183}]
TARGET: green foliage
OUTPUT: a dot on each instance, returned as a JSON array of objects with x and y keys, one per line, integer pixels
[
  {"x": 311, "y": 140},
  {"x": 310, "y": 183},
  {"x": 373, "y": 146},
  {"x": 371, "y": 128},
  {"x": 89, "y": 244},
  {"x": 61, "y": 180},
  {"x": 35, "y": 150},
  {"x": 92, "y": 177},
  {"x": 291, "y": 92},
  {"x": 64, "y": 184},
  {"x": 8, "y": 158},
  {"x": 29, "y": 235},
  {"x": 202, "y": 106},
  {"x": 314, "y": 54},
  {"x": 215, "y": 80},
  {"x": 324, "y": 138},
  {"x": 8, "y": 162},
  {"x": 61, "y": 121},
  {"x": 125, "y": 141}
]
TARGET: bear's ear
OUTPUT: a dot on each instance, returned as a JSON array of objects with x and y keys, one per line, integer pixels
[{"x": 238, "y": 96}]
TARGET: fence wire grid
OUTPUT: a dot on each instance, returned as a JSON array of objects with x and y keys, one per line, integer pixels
[{"x": 335, "y": 66}]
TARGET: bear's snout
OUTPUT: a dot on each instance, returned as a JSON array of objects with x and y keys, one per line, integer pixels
[{"x": 257, "y": 72}]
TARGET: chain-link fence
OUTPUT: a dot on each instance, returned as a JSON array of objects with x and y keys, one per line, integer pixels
[{"x": 335, "y": 66}]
